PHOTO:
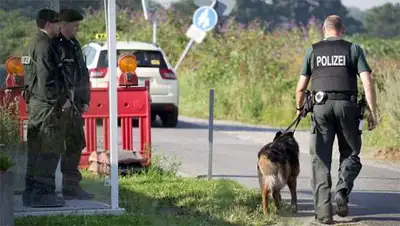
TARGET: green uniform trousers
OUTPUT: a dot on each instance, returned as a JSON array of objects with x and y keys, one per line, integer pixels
[
  {"x": 74, "y": 143},
  {"x": 340, "y": 118},
  {"x": 45, "y": 145}
]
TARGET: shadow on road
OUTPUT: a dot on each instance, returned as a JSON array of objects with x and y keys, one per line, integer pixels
[
  {"x": 364, "y": 205},
  {"x": 225, "y": 127},
  {"x": 358, "y": 219},
  {"x": 227, "y": 176},
  {"x": 182, "y": 124},
  {"x": 233, "y": 176}
]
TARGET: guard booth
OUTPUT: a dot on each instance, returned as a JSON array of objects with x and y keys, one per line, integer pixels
[{"x": 107, "y": 145}]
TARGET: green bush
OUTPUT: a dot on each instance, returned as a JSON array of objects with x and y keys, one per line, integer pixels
[
  {"x": 9, "y": 129},
  {"x": 5, "y": 162},
  {"x": 254, "y": 73},
  {"x": 9, "y": 121},
  {"x": 14, "y": 33}
]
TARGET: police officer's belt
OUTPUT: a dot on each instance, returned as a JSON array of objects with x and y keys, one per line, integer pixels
[{"x": 321, "y": 96}]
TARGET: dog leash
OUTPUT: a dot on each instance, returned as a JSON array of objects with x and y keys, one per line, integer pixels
[
  {"x": 296, "y": 121},
  {"x": 302, "y": 114}
]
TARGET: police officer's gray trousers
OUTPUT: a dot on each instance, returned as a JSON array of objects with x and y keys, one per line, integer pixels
[
  {"x": 75, "y": 143},
  {"x": 335, "y": 117}
]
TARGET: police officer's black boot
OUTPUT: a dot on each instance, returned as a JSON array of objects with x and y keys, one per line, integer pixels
[
  {"x": 76, "y": 192},
  {"x": 72, "y": 177},
  {"x": 43, "y": 190},
  {"x": 28, "y": 190},
  {"x": 325, "y": 220},
  {"x": 45, "y": 197},
  {"x": 342, "y": 199},
  {"x": 29, "y": 178},
  {"x": 30, "y": 164}
]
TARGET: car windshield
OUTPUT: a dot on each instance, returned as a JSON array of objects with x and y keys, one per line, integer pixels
[{"x": 145, "y": 58}]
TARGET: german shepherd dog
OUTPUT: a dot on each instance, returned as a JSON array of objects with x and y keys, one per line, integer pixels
[{"x": 278, "y": 165}]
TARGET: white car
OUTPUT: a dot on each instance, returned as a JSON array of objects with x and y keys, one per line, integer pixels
[{"x": 153, "y": 65}]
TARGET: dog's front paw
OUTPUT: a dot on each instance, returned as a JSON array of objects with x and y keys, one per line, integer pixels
[{"x": 293, "y": 208}]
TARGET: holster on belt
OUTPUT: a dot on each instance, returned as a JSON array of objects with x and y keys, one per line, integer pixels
[
  {"x": 309, "y": 102},
  {"x": 362, "y": 104}
]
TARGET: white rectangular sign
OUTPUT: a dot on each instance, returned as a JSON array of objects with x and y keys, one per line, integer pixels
[{"x": 196, "y": 34}]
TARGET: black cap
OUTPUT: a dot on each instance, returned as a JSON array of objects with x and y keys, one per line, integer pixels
[
  {"x": 70, "y": 15},
  {"x": 48, "y": 15}
]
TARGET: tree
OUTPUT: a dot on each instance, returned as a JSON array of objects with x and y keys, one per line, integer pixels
[
  {"x": 289, "y": 13},
  {"x": 15, "y": 32},
  {"x": 383, "y": 21},
  {"x": 357, "y": 13},
  {"x": 329, "y": 7},
  {"x": 184, "y": 7},
  {"x": 265, "y": 12}
]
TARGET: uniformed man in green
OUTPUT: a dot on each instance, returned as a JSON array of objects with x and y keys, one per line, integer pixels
[
  {"x": 45, "y": 96},
  {"x": 333, "y": 65},
  {"x": 77, "y": 77}
]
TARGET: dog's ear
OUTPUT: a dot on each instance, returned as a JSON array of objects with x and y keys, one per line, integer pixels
[{"x": 278, "y": 134}]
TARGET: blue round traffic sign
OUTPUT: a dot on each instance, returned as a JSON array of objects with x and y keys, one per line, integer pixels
[{"x": 205, "y": 18}]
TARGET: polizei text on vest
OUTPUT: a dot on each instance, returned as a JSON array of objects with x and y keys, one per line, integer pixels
[{"x": 334, "y": 60}]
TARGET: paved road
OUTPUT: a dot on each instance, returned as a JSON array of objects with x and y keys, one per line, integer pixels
[{"x": 374, "y": 201}]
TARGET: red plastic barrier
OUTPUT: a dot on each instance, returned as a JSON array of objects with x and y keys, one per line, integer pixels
[
  {"x": 14, "y": 81},
  {"x": 133, "y": 102}
]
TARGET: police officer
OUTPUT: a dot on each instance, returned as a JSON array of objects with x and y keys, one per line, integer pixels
[
  {"x": 333, "y": 65},
  {"x": 45, "y": 96},
  {"x": 77, "y": 78}
]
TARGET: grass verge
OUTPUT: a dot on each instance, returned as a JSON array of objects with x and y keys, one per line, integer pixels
[{"x": 159, "y": 197}]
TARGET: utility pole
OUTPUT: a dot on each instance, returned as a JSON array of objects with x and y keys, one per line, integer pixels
[{"x": 155, "y": 25}]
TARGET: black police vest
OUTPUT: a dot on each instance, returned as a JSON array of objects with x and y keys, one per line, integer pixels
[{"x": 332, "y": 67}]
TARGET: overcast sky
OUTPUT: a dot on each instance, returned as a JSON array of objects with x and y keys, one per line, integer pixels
[{"x": 362, "y": 4}]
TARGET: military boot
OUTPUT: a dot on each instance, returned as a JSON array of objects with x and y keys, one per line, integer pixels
[
  {"x": 325, "y": 220},
  {"x": 72, "y": 176},
  {"x": 43, "y": 192},
  {"x": 27, "y": 192},
  {"x": 342, "y": 199},
  {"x": 76, "y": 192},
  {"x": 40, "y": 198},
  {"x": 29, "y": 177}
]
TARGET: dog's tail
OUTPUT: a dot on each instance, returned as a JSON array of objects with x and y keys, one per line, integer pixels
[{"x": 270, "y": 173}]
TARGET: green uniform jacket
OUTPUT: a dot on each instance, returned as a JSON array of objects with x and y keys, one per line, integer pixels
[
  {"x": 42, "y": 73},
  {"x": 72, "y": 57}
]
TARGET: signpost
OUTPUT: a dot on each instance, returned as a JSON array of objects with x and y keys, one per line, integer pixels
[
  {"x": 144, "y": 9},
  {"x": 155, "y": 26},
  {"x": 210, "y": 134},
  {"x": 205, "y": 19},
  {"x": 153, "y": 12},
  {"x": 105, "y": 18}
]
